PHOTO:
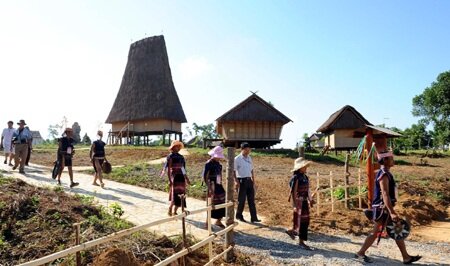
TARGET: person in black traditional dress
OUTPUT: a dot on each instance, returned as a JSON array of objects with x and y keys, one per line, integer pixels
[
  {"x": 97, "y": 155},
  {"x": 212, "y": 176},
  {"x": 176, "y": 172},
  {"x": 65, "y": 154},
  {"x": 301, "y": 202}
]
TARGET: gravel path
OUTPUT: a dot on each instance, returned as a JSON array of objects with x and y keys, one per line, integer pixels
[{"x": 274, "y": 244}]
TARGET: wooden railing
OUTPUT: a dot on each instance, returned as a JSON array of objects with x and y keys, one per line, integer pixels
[
  {"x": 335, "y": 182},
  {"x": 227, "y": 231}
]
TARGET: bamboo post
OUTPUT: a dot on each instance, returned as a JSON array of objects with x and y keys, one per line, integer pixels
[
  {"x": 229, "y": 237},
  {"x": 210, "y": 246},
  {"x": 183, "y": 222},
  {"x": 369, "y": 167},
  {"x": 318, "y": 194},
  {"x": 347, "y": 174},
  {"x": 76, "y": 226},
  {"x": 359, "y": 189},
  {"x": 331, "y": 191}
]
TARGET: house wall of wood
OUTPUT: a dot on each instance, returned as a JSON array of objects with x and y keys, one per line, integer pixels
[
  {"x": 250, "y": 130},
  {"x": 148, "y": 125},
  {"x": 342, "y": 138}
]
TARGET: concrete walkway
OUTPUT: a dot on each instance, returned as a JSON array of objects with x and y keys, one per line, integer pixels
[{"x": 141, "y": 205}]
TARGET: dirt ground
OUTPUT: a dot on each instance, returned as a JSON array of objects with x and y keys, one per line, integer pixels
[{"x": 424, "y": 188}]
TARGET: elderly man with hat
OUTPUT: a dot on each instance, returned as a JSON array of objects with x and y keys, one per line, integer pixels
[
  {"x": 245, "y": 183},
  {"x": 6, "y": 142},
  {"x": 21, "y": 140},
  {"x": 383, "y": 203},
  {"x": 301, "y": 202}
]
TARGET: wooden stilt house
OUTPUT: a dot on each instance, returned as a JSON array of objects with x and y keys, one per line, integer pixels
[
  {"x": 254, "y": 121},
  {"x": 340, "y": 127},
  {"x": 147, "y": 103}
]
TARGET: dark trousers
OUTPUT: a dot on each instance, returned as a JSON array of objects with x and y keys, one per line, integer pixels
[
  {"x": 28, "y": 156},
  {"x": 246, "y": 190}
]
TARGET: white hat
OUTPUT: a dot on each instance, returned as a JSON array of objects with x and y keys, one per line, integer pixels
[{"x": 300, "y": 163}]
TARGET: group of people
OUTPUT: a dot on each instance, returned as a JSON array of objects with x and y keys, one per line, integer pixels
[
  {"x": 17, "y": 145},
  {"x": 66, "y": 151},
  {"x": 300, "y": 193}
]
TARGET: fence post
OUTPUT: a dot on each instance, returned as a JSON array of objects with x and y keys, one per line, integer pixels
[
  {"x": 229, "y": 237},
  {"x": 318, "y": 193},
  {"x": 347, "y": 174},
  {"x": 331, "y": 191},
  {"x": 183, "y": 222},
  {"x": 359, "y": 189},
  {"x": 210, "y": 246},
  {"x": 77, "y": 242}
]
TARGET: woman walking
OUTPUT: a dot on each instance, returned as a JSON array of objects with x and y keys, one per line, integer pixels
[
  {"x": 212, "y": 176},
  {"x": 97, "y": 155},
  {"x": 176, "y": 173},
  {"x": 301, "y": 202},
  {"x": 65, "y": 154}
]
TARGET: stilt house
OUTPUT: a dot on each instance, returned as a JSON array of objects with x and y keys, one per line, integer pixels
[
  {"x": 147, "y": 103},
  {"x": 254, "y": 121}
]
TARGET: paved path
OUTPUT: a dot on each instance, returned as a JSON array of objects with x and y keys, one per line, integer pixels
[
  {"x": 141, "y": 205},
  {"x": 270, "y": 244}
]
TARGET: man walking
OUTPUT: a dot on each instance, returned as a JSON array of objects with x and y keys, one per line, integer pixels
[
  {"x": 21, "y": 139},
  {"x": 244, "y": 181},
  {"x": 6, "y": 142}
]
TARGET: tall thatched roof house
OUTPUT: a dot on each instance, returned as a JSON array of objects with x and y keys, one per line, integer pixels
[
  {"x": 340, "y": 128},
  {"x": 147, "y": 102},
  {"x": 254, "y": 121}
]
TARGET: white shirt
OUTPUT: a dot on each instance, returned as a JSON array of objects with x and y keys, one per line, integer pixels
[
  {"x": 7, "y": 135},
  {"x": 243, "y": 165}
]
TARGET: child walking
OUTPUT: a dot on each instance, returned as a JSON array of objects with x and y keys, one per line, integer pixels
[
  {"x": 176, "y": 172},
  {"x": 301, "y": 202}
]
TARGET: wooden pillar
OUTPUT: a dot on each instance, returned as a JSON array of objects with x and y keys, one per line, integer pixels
[
  {"x": 229, "y": 237},
  {"x": 369, "y": 168},
  {"x": 164, "y": 138},
  {"x": 347, "y": 174}
]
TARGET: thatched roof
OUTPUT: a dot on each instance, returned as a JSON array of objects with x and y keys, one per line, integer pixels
[
  {"x": 254, "y": 108},
  {"x": 147, "y": 90},
  {"x": 36, "y": 134},
  {"x": 345, "y": 118}
]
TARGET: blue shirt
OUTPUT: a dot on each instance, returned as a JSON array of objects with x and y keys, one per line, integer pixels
[{"x": 23, "y": 136}]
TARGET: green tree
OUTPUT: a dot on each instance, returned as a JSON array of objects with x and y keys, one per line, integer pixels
[
  {"x": 86, "y": 139},
  {"x": 205, "y": 131},
  {"x": 433, "y": 106},
  {"x": 76, "y": 132}
]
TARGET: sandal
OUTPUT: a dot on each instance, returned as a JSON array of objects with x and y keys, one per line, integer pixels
[
  {"x": 102, "y": 185},
  {"x": 219, "y": 224},
  {"x": 363, "y": 259},
  {"x": 74, "y": 184},
  {"x": 412, "y": 259},
  {"x": 169, "y": 213},
  {"x": 95, "y": 184},
  {"x": 305, "y": 247},
  {"x": 290, "y": 233}
]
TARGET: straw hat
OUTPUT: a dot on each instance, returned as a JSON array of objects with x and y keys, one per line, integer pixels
[
  {"x": 300, "y": 163},
  {"x": 216, "y": 152},
  {"x": 22, "y": 122},
  {"x": 176, "y": 143}
]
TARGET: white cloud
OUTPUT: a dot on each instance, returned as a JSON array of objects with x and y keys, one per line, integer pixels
[{"x": 194, "y": 67}]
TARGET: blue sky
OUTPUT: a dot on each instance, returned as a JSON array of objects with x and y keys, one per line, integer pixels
[{"x": 309, "y": 58}]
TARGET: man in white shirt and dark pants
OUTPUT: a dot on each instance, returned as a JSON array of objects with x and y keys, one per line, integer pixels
[
  {"x": 6, "y": 142},
  {"x": 244, "y": 180}
]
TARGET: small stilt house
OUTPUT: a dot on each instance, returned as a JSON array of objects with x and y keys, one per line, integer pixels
[
  {"x": 147, "y": 103},
  {"x": 339, "y": 129},
  {"x": 254, "y": 121}
]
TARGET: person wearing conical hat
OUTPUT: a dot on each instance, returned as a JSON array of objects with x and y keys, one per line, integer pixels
[
  {"x": 21, "y": 140},
  {"x": 212, "y": 176},
  {"x": 301, "y": 202},
  {"x": 176, "y": 173},
  {"x": 65, "y": 154}
]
